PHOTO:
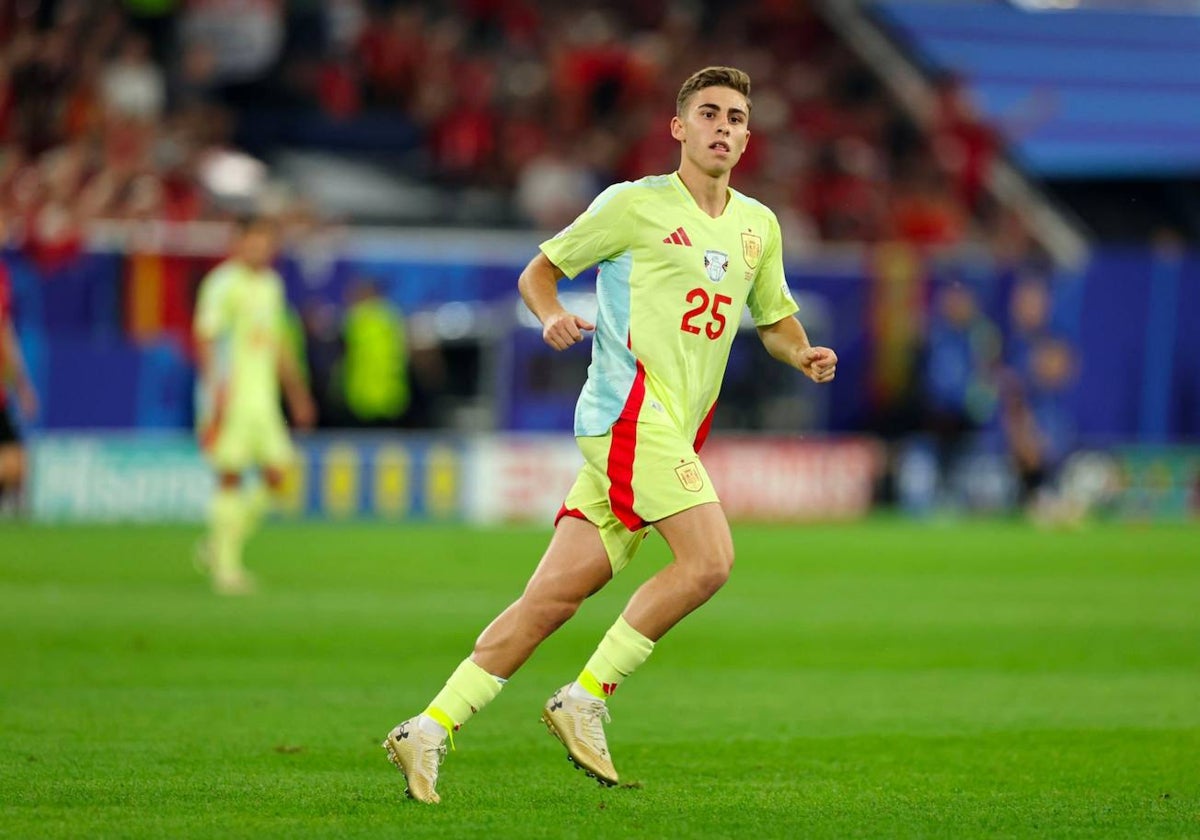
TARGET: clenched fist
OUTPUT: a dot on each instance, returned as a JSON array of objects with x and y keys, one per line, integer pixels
[
  {"x": 818, "y": 363},
  {"x": 563, "y": 329}
]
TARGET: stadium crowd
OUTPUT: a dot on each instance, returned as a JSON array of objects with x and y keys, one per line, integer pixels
[{"x": 113, "y": 111}]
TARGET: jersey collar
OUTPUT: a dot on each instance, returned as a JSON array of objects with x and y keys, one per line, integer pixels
[{"x": 691, "y": 199}]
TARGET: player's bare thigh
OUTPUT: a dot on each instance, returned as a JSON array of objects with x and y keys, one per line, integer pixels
[{"x": 575, "y": 564}]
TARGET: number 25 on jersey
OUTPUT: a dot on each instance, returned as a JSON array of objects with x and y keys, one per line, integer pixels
[{"x": 700, "y": 300}]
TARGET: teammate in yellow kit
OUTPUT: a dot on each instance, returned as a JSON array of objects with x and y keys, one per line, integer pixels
[
  {"x": 679, "y": 255},
  {"x": 243, "y": 356}
]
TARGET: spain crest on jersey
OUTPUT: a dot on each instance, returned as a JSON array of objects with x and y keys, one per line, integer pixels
[
  {"x": 751, "y": 249},
  {"x": 689, "y": 477},
  {"x": 716, "y": 263}
]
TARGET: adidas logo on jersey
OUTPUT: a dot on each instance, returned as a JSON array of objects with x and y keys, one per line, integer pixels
[{"x": 678, "y": 237}]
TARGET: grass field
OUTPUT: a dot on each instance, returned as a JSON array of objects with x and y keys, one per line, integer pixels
[{"x": 884, "y": 679}]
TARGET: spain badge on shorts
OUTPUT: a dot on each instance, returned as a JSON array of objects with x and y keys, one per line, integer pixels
[
  {"x": 689, "y": 477},
  {"x": 751, "y": 248}
]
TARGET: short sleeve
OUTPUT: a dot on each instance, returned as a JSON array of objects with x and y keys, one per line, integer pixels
[
  {"x": 212, "y": 308},
  {"x": 600, "y": 233},
  {"x": 770, "y": 299}
]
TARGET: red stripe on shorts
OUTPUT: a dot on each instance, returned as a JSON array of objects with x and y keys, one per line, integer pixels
[
  {"x": 212, "y": 431},
  {"x": 621, "y": 453},
  {"x": 566, "y": 511},
  {"x": 705, "y": 428}
]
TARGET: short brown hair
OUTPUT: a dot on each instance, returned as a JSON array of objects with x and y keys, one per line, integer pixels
[{"x": 729, "y": 77}]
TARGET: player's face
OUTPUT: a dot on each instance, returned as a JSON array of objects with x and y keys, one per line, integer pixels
[
  {"x": 258, "y": 246},
  {"x": 714, "y": 129}
]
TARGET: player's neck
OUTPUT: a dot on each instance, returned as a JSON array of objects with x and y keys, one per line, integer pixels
[
  {"x": 710, "y": 192},
  {"x": 247, "y": 264}
]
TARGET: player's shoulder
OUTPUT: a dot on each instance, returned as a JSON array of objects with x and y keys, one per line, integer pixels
[
  {"x": 624, "y": 193},
  {"x": 221, "y": 275},
  {"x": 752, "y": 206}
]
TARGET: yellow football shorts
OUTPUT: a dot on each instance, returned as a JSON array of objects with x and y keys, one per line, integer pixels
[
  {"x": 248, "y": 436},
  {"x": 635, "y": 475}
]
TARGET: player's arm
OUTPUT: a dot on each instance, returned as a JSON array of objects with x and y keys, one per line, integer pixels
[
  {"x": 787, "y": 341},
  {"x": 17, "y": 372},
  {"x": 538, "y": 285},
  {"x": 300, "y": 403}
]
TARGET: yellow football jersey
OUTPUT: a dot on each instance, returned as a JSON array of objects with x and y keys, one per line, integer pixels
[
  {"x": 672, "y": 284},
  {"x": 242, "y": 312}
]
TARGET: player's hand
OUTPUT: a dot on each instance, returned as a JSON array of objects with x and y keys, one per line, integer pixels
[
  {"x": 818, "y": 363},
  {"x": 563, "y": 329},
  {"x": 304, "y": 412}
]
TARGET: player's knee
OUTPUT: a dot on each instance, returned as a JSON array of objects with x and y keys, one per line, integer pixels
[
  {"x": 273, "y": 478},
  {"x": 546, "y": 615},
  {"x": 713, "y": 571}
]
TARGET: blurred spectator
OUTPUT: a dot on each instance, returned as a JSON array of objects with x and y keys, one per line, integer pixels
[
  {"x": 375, "y": 366},
  {"x": 1038, "y": 424},
  {"x": 554, "y": 188},
  {"x": 966, "y": 145},
  {"x": 244, "y": 42},
  {"x": 961, "y": 369},
  {"x": 133, "y": 86},
  {"x": 323, "y": 350},
  {"x": 1029, "y": 322},
  {"x": 923, "y": 209}
]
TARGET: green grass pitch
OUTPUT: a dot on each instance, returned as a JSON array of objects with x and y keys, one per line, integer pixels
[{"x": 880, "y": 679}]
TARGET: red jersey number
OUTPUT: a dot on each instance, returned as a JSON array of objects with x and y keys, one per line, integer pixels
[{"x": 701, "y": 301}]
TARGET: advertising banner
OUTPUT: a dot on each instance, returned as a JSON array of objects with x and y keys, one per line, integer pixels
[
  {"x": 108, "y": 478},
  {"x": 401, "y": 477},
  {"x": 140, "y": 478}
]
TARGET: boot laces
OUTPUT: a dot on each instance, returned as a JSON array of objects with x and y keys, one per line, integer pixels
[
  {"x": 595, "y": 715},
  {"x": 434, "y": 755}
]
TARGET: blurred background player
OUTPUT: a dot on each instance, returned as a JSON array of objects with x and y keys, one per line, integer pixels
[
  {"x": 12, "y": 371},
  {"x": 243, "y": 356},
  {"x": 680, "y": 257}
]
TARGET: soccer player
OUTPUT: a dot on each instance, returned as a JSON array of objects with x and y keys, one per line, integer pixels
[
  {"x": 680, "y": 255},
  {"x": 243, "y": 357},
  {"x": 12, "y": 370}
]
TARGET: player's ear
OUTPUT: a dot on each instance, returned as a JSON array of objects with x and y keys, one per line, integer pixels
[{"x": 677, "y": 129}]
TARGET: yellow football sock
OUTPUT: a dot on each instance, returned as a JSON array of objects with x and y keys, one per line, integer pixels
[
  {"x": 257, "y": 501},
  {"x": 620, "y": 653},
  {"x": 226, "y": 523},
  {"x": 468, "y": 690}
]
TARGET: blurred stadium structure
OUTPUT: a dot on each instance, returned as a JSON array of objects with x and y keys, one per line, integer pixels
[{"x": 989, "y": 209}]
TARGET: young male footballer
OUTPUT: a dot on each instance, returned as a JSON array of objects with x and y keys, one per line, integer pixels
[
  {"x": 243, "y": 357},
  {"x": 679, "y": 257}
]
